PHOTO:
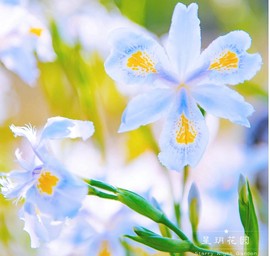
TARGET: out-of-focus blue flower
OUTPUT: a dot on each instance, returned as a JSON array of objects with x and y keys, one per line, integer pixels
[
  {"x": 41, "y": 227},
  {"x": 82, "y": 22},
  {"x": 182, "y": 77},
  {"x": 92, "y": 234},
  {"x": 11, "y": 2},
  {"x": 22, "y": 35},
  {"x": 50, "y": 191}
]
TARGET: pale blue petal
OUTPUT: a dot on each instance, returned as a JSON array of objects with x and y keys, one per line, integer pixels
[
  {"x": 184, "y": 136},
  {"x": 184, "y": 42},
  {"x": 41, "y": 228},
  {"x": 28, "y": 164},
  {"x": 15, "y": 184},
  {"x": 229, "y": 63},
  {"x": 22, "y": 62},
  {"x": 60, "y": 127},
  {"x": 194, "y": 195},
  {"x": 11, "y": 2},
  {"x": 223, "y": 102},
  {"x": 136, "y": 58},
  {"x": 82, "y": 231},
  {"x": 146, "y": 108},
  {"x": 67, "y": 195}
]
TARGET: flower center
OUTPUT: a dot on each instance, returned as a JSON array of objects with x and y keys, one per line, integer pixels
[
  {"x": 141, "y": 61},
  {"x": 226, "y": 61},
  {"x": 36, "y": 31},
  {"x": 104, "y": 250},
  {"x": 47, "y": 182},
  {"x": 180, "y": 86},
  {"x": 186, "y": 133}
]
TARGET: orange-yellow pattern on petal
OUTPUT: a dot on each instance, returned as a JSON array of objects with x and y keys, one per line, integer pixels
[
  {"x": 226, "y": 61},
  {"x": 47, "y": 182},
  {"x": 104, "y": 250},
  {"x": 141, "y": 62},
  {"x": 36, "y": 31},
  {"x": 186, "y": 132}
]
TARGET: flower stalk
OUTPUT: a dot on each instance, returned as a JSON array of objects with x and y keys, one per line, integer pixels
[{"x": 143, "y": 207}]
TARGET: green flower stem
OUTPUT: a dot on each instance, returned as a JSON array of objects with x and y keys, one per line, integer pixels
[
  {"x": 165, "y": 232},
  {"x": 175, "y": 229},
  {"x": 128, "y": 198},
  {"x": 197, "y": 241},
  {"x": 102, "y": 185},
  {"x": 186, "y": 175},
  {"x": 95, "y": 192},
  {"x": 177, "y": 213}
]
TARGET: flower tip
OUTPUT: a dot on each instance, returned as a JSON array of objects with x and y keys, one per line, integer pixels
[
  {"x": 247, "y": 124},
  {"x": 172, "y": 166},
  {"x": 193, "y": 192},
  {"x": 193, "y": 6},
  {"x": 187, "y": 8},
  {"x": 242, "y": 188},
  {"x": 123, "y": 128},
  {"x": 242, "y": 181}
]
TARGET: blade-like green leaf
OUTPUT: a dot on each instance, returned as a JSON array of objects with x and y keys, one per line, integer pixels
[{"x": 248, "y": 217}]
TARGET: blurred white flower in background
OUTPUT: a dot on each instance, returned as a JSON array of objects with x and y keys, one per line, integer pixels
[
  {"x": 22, "y": 35},
  {"x": 89, "y": 24}
]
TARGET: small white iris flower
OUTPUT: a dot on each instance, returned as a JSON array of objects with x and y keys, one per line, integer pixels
[
  {"x": 51, "y": 193},
  {"x": 21, "y": 36},
  {"x": 182, "y": 77}
]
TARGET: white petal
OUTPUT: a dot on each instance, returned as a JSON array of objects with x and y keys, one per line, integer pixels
[
  {"x": 184, "y": 42},
  {"x": 227, "y": 59},
  {"x": 145, "y": 109},
  {"x": 136, "y": 58},
  {"x": 21, "y": 61},
  {"x": 185, "y": 135},
  {"x": 223, "y": 102},
  {"x": 61, "y": 127},
  {"x": 25, "y": 131}
]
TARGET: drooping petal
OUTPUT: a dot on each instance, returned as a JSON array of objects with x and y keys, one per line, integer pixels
[
  {"x": 21, "y": 61},
  {"x": 227, "y": 59},
  {"x": 38, "y": 38},
  {"x": 25, "y": 131},
  {"x": 10, "y": 18},
  {"x": 184, "y": 42},
  {"x": 60, "y": 127},
  {"x": 223, "y": 102},
  {"x": 184, "y": 136},
  {"x": 146, "y": 108},
  {"x": 136, "y": 58},
  {"x": 41, "y": 228},
  {"x": 15, "y": 184},
  {"x": 28, "y": 164}
]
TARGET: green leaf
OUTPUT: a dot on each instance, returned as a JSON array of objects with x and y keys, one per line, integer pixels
[{"x": 248, "y": 217}]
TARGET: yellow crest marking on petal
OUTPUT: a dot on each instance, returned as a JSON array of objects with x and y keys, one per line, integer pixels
[
  {"x": 140, "y": 61},
  {"x": 226, "y": 61},
  {"x": 47, "y": 182},
  {"x": 36, "y": 31},
  {"x": 104, "y": 250},
  {"x": 186, "y": 133}
]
